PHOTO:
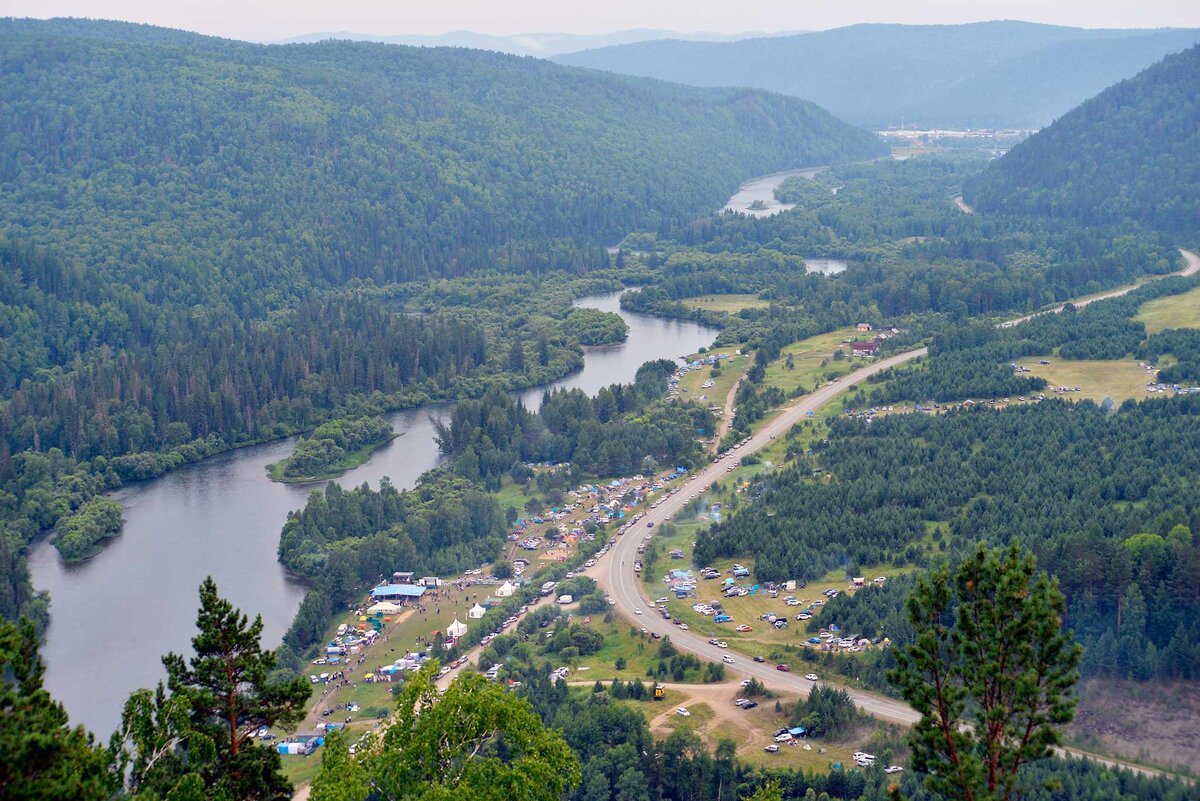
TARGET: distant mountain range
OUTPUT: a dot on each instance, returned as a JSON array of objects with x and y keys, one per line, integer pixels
[
  {"x": 543, "y": 45},
  {"x": 987, "y": 75},
  {"x": 1130, "y": 154}
]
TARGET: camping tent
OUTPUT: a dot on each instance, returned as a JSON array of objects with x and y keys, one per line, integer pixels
[
  {"x": 456, "y": 629},
  {"x": 476, "y": 612},
  {"x": 385, "y": 608}
]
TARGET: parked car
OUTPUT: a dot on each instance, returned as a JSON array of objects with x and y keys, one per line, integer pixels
[
  {"x": 771, "y": 749},
  {"x": 784, "y": 668},
  {"x": 810, "y": 676},
  {"x": 683, "y": 712},
  {"x": 760, "y": 659},
  {"x": 893, "y": 769}
]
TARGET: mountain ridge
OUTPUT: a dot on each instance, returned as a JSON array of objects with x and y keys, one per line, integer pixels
[{"x": 999, "y": 74}]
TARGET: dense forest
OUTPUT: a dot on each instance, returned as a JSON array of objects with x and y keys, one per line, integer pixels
[
  {"x": 973, "y": 360},
  {"x": 1131, "y": 153},
  {"x": 204, "y": 242},
  {"x": 343, "y": 540},
  {"x": 332, "y": 448},
  {"x": 1001, "y": 74},
  {"x": 269, "y": 169},
  {"x": 909, "y": 251},
  {"x": 1107, "y": 501},
  {"x": 611, "y": 434}
]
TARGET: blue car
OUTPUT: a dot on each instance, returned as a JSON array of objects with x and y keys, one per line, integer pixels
[{"x": 815, "y": 640}]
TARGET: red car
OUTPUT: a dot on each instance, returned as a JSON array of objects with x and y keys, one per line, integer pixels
[{"x": 784, "y": 668}]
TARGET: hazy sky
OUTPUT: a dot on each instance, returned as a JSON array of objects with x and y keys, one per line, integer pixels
[{"x": 277, "y": 19}]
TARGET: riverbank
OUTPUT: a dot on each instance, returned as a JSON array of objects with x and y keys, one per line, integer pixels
[{"x": 222, "y": 516}]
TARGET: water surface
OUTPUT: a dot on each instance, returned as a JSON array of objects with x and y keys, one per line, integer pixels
[{"x": 113, "y": 617}]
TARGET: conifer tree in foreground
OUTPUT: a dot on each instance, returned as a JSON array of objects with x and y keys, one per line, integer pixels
[
  {"x": 990, "y": 671},
  {"x": 197, "y": 741}
]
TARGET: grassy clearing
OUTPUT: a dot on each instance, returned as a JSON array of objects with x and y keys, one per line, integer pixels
[
  {"x": 807, "y": 356},
  {"x": 725, "y": 303},
  {"x": 691, "y": 387},
  {"x": 1117, "y": 379},
  {"x": 1174, "y": 311}
]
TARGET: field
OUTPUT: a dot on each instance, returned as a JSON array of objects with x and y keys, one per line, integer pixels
[
  {"x": 713, "y": 717},
  {"x": 1154, "y": 723},
  {"x": 725, "y": 303},
  {"x": 764, "y": 639},
  {"x": 807, "y": 356},
  {"x": 1117, "y": 379},
  {"x": 691, "y": 386},
  {"x": 1174, "y": 311}
]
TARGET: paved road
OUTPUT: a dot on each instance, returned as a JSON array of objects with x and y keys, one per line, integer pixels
[
  {"x": 615, "y": 571},
  {"x": 1193, "y": 265}
]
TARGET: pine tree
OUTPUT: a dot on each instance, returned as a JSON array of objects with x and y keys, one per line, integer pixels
[
  {"x": 41, "y": 757},
  {"x": 990, "y": 672},
  {"x": 229, "y": 696}
]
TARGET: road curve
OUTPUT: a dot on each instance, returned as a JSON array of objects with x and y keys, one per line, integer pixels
[
  {"x": 615, "y": 573},
  {"x": 1192, "y": 266}
]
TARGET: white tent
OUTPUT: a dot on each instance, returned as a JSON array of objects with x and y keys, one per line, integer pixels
[
  {"x": 476, "y": 612},
  {"x": 384, "y": 607},
  {"x": 456, "y": 629},
  {"x": 505, "y": 590}
]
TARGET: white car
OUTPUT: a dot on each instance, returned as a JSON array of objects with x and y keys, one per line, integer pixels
[
  {"x": 637, "y": 611},
  {"x": 771, "y": 749},
  {"x": 683, "y": 712},
  {"x": 722, "y": 644},
  {"x": 727, "y": 659},
  {"x": 893, "y": 769},
  {"x": 810, "y": 676}
]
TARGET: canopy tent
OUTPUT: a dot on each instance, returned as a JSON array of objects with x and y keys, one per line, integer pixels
[
  {"x": 385, "y": 608},
  {"x": 456, "y": 629},
  {"x": 476, "y": 612}
]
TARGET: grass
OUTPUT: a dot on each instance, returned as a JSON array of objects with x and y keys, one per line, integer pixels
[
  {"x": 726, "y": 303},
  {"x": 807, "y": 358},
  {"x": 1174, "y": 311},
  {"x": 1117, "y": 379},
  {"x": 691, "y": 387},
  {"x": 747, "y": 609}
]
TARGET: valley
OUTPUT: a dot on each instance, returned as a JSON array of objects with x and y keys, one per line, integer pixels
[{"x": 532, "y": 430}]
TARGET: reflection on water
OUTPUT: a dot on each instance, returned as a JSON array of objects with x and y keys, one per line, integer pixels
[{"x": 114, "y": 616}]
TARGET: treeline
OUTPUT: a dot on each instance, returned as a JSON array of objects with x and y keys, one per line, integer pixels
[
  {"x": 610, "y": 434},
  {"x": 346, "y": 540},
  {"x": 317, "y": 164},
  {"x": 621, "y": 760},
  {"x": 973, "y": 360},
  {"x": 910, "y": 253},
  {"x": 1108, "y": 502},
  {"x": 331, "y": 447},
  {"x": 1132, "y": 153}
]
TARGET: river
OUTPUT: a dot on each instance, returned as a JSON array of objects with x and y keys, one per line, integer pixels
[
  {"x": 762, "y": 189},
  {"x": 114, "y": 616}
]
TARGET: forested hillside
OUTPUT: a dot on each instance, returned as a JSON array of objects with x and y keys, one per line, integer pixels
[
  {"x": 196, "y": 167},
  {"x": 1131, "y": 153},
  {"x": 990, "y": 74},
  {"x": 203, "y": 242}
]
